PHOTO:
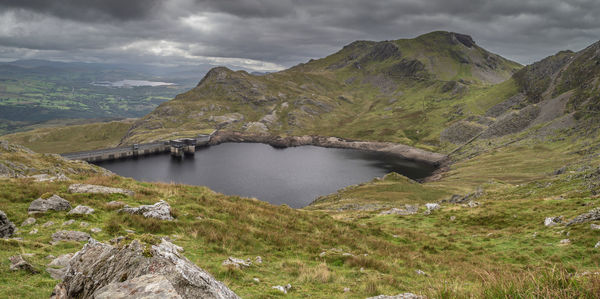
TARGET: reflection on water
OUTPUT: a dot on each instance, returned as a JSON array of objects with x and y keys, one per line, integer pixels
[{"x": 293, "y": 176}]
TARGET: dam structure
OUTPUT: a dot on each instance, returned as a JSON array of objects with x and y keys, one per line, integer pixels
[{"x": 177, "y": 148}]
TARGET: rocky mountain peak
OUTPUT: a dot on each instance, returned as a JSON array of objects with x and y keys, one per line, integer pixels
[{"x": 216, "y": 74}]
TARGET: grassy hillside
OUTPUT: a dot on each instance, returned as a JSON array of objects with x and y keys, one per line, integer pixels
[
  {"x": 71, "y": 138},
  {"x": 499, "y": 248}
]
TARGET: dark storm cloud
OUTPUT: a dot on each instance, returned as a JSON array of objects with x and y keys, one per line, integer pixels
[
  {"x": 271, "y": 34},
  {"x": 87, "y": 10}
]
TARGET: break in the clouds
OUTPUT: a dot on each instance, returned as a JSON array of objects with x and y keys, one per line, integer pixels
[{"x": 266, "y": 35}]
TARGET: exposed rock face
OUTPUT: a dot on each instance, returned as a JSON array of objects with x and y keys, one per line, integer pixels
[
  {"x": 18, "y": 263},
  {"x": 160, "y": 210},
  {"x": 586, "y": 217},
  {"x": 58, "y": 267},
  {"x": 114, "y": 270},
  {"x": 399, "y": 296},
  {"x": 55, "y": 203},
  {"x": 512, "y": 122},
  {"x": 70, "y": 235},
  {"x": 85, "y": 188},
  {"x": 7, "y": 228},
  {"x": 150, "y": 286},
  {"x": 84, "y": 210}
]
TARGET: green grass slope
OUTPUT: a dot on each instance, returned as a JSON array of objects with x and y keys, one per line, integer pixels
[{"x": 64, "y": 139}]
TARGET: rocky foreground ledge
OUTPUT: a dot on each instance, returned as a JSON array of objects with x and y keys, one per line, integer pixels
[
  {"x": 400, "y": 150},
  {"x": 136, "y": 270}
]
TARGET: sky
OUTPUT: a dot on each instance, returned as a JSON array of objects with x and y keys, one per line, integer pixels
[{"x": 270, "y": 35}]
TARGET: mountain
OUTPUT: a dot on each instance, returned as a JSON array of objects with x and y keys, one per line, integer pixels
[{"x": 402, "y": 90}]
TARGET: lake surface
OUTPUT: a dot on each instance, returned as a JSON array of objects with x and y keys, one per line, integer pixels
[{"x": 294, "y": 176}]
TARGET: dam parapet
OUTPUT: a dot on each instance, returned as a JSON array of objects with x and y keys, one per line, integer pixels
[{"x": 177, "y": 148}]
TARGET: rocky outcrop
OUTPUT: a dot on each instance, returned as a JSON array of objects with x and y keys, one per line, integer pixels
[
  {"x": 586, "y": 217},
  {"x": 100, "y": 271},
  {"x": 400, "y": 150},
  {"x": 82, "y": 210},
  {"x": 70, "y": 235},
  {"x": 54, "y": 203},
  {"x": 86, "y": 188},
  {"x": 512, "y": 122},
  {"x": 160, "y": 210},
  {"x": 7, "y": 228}
]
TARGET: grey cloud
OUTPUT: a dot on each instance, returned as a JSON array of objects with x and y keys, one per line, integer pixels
[
  {"x": 284, "y": 32},
  {"x": 88, "y": 10}
]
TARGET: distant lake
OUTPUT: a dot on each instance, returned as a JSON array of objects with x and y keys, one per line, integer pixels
[
  {"x": 131, "y": 83},
  {"x": 294, "y": 176}
]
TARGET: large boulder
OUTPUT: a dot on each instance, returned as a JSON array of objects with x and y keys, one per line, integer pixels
[
  {"x": 160, "y": 210},
  {"x": 54, "y": 202},
  {"x": 7, "y": 228},
  {"x": 86, "y": 188},
  {"x": 99, "y": 270}
]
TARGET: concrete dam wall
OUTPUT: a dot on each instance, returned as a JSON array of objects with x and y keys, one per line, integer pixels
[{"x": 177, "y": 148}]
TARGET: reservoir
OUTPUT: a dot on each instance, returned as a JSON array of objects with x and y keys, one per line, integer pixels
[{"x": 294, "y": 176}]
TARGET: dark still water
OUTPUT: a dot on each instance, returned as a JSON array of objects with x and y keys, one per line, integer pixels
[{"x": 294, "y": 176}]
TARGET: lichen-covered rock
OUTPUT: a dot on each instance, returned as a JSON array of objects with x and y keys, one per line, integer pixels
[
  {"x": 86, "y": 188},
  {"x": 7, "y": 228},
  {"x": 160, "y": 210},
  {"x": 54, "y": 203},
  {"x": 99, "y": 265},
  {"x": 70, "y": 235},
  {"x": 83, "y": 210},
  {"x": 586, "y": 217},
  {"x": 150, "y": 286}
]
